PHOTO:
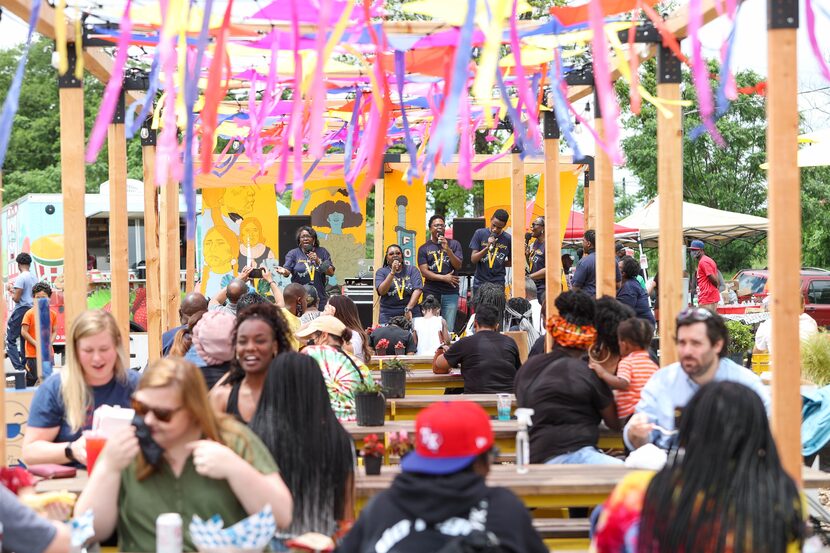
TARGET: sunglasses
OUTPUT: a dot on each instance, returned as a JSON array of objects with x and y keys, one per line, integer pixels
[
  {"x": 694, "y": 315},
  {"x": 164, "y": 415}
]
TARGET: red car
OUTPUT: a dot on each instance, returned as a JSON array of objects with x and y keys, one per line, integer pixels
[{"x": 815, "y": 287}]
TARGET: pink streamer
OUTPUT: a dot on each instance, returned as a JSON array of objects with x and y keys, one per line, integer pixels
[
  {"x": 318, "y": 89},
  {"x": 113, "y": 90},
  {"x": 465, "y": 147},
  {"x": 522, "y": 86},
  {"x": 811, "y": 33},
  {"x": 700, "y": 72},
  {"x": 602, "y": 80}
]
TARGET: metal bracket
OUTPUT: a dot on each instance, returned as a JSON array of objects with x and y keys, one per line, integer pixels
[
  {"x": 119, "y": 115},
  {"x": 148, "y": 134},
  {"x": 516, "y": 149},
  {"x": 782, "y": 14},
  {"x": 584, "y": 76},
  {"x": 68, "y": 80},
  {"x": 550, "y": 126},
  {"x": 136, "y": 79},
  {"x": 589, "y": 161},
  {"x": 644, "y": 33},
  {"x": 597, "y": 106},
  {"x": 668, "y": 67}
]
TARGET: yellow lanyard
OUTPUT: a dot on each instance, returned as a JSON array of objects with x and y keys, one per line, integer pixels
[
  {"x": 400, "y": 286},
  {"x": 439, "y": 260},
  {"x": 491, "y": 256},
  {"x": 310, "y": 268}
]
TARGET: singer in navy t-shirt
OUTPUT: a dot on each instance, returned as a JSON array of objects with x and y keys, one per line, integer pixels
[
  {"x": 439, "y": 259},
  {"x": 309, "y": 264},
  {"x": 491, "y": 251}
]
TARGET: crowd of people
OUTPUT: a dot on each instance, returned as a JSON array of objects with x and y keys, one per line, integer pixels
[{"x": 246, "y": 409}]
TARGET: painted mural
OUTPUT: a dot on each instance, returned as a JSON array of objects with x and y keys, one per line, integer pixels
[{"x": 404, "y": 208}]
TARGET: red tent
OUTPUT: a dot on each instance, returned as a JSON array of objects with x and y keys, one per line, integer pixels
[{"x": 576, "y": 227}]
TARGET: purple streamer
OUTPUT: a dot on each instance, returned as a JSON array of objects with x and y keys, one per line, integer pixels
[
  {"x": 811, "y": 33},
  {"x": 351, "y": 135},
  {"x": 560, "y": 104},
  {"x": 410, "y": 144},
  {"x": 700, "y": 73},
  {"x": 132, "y": 123}
]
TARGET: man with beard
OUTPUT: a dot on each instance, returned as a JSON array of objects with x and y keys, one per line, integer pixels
[{"x": 701, "y": 346}]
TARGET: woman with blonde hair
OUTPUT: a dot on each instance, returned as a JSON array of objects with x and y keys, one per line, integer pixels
[
  {"x": 189, "y": 460},
  {"x": 96, "y": 373}
]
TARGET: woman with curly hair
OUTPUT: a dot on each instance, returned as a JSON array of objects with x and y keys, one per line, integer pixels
[
  {"x": 569, "y": 399},
  {"x": 260, "y": 334}
]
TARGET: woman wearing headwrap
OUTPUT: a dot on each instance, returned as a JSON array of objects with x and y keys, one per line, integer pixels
[
  {"x": 568, "y": 398},
  {"x": 212, "y": 340},
  {"x": 518, "y": 315}
]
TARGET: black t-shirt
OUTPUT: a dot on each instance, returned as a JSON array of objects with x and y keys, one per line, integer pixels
[
  {"x": 488, "y": 360},
  {"x": 491, "y": 267},
  {"x": 536, "y": 262},
  {"x": 538, "y": 347},
  {"x": 394, "y": 334},
  {"x": 567, "y": 398},
  {"x": 437, "y": 261}
]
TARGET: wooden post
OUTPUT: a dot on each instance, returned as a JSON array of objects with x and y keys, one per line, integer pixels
[
  {"x": 118, "y": 232},
  {"x": 190, "y": 266},
  {"x": 518, "y": 201},
  {"x": 670, "y": 192},
  {"x": 379, "y": 253},
  {"x": 785, "y": 230},
  {"x": 151, "y": 243},
  {"x": 604, "y": 207},
  {"x": 587, "y": 211},
  {"x": 553, "y": 236},
  {"x": 169, "y": 254},
  {"x": 4, "y": 319},
  {"x": 73, "y": 188}
]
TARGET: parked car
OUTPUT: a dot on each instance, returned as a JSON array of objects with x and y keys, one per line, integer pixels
[{"x": 815, "y": 288}]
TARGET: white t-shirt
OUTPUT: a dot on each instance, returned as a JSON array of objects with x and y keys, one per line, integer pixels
[
  {"x": 357, "y": 345},
  {"x": 536, "y": 314},
  {"x": 428, "y": 330},
  {"x": 807, "y": 326}
]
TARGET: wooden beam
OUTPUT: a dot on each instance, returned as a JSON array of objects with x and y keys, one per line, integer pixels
[
  {"x": 378, "y": 238},
  {"x": 190, "y": 266},
  {"x": 604, "y": 206},
  {"x": 670, "y": 191},
  {"x": 587, "y": 206},
  {"x": 151, "y": 252},
  {"x": 118, "y": 231},
  {"x": 785, "y": 233},
  {"x": 553, "y": 233},
  {"x": 518, "y": 199},
  {"x": 169, "y": 254},
  {"x": 73, "y": 188}
]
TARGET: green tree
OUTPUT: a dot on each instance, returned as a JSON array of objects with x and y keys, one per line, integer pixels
[
  {"x": 728, "y": 177},
  {"x": 815, "y": 217},
  {"x": 33, "y": 159}
]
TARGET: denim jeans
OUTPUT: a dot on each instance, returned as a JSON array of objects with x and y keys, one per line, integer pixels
[
  {"x": 13, "y": 345},
  {"x": 588, "y": 455},
  {"x": 449, "y": 309}
]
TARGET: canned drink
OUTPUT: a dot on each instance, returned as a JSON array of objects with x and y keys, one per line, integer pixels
[{"x": 169, "y": 533}]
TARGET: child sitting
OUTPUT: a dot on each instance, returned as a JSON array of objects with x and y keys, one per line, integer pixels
[
  {"x": 635, "y": 367},
  {"x": 430, "y": 330},
  {"x": 27, "y": 330}
]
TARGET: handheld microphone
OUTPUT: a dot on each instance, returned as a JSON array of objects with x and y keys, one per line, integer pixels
[
  {"x": 493, "y": 244},
  {"x": 307, "y": 248},
  {"x": 528, "y": 236}
]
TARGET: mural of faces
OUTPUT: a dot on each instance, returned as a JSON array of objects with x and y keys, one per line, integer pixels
[{"x": 220, "y": 247}]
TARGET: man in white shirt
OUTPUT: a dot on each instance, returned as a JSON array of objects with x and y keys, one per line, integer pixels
[
  {"x": 807, "y": 327},
  {"x": 535, "y": 306}
]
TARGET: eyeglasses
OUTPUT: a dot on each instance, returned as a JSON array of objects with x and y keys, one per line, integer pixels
[
  {"x": 164, "y": 415},
  {"x": 694, "y": 315}
]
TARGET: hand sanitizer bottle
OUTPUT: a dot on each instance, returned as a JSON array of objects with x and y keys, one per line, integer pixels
[{"x": 523, "y": 440}]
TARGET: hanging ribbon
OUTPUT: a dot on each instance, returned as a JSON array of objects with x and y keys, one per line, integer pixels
[
  {"x": 79, "y": 51},
  {"x": 561, "y": 103},
  {"x": 60, "y": 37},
  {"x": 700, "y": 75},
  {"x": 531, "y": 144},
  {"x": 318, "y": 90},
  {"x": 412, "y": 172},
  {"x": 488, "y": 64},
  {"x": 465, "y": 146},
  {"x": 633, "y": 67},
  {"x": 602, "y": 81},
  {"x": 214, "y": 92},
  {"x": 133, "y": 123},
  {"x": 814, "y": 45},
  {"x": 11, "y": 104},
  {"x": 112, "y": 93}
]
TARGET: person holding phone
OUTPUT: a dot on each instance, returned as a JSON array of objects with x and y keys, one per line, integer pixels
[{"x": 309, "y": 263}]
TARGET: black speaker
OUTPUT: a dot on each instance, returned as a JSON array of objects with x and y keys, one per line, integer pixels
[
  {"x": 463, "y": 230},
  {"x": 362, "y": 296},
  {"x": 288, "y": 225}
]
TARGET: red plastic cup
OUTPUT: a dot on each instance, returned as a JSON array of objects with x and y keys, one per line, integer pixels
[{"x": 95, "y": 442}]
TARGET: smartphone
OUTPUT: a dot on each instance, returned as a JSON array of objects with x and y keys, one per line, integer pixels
[{"x": 255, "y": 273}]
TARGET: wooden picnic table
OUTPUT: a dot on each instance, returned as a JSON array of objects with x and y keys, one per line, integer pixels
[
  {"x": 412, "y": 362},
  {"x": 407, "y": 408},
  {"x": 427, "y": 383}
]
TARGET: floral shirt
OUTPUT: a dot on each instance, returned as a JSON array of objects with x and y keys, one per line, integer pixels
[{"x": 342, "y": 373}]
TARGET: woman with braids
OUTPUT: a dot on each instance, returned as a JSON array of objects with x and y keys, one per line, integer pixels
[
  {"x": 314, "y": 452},
  {"x": 345, "y": 310},
  {"x": 722, "y": 491},
  {"x": 568, "y": 398},
  {"x": 259, "y": 335}
]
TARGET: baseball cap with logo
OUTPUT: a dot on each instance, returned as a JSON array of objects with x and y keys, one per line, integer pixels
[
  {"x": 448, "y": 438},
  {"x": 697, "y": 245}
]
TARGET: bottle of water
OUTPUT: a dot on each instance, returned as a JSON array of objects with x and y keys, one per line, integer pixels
[{"x": 523, "y": 440}]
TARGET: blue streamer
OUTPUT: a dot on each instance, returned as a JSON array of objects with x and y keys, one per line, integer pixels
[
  {"x": 410, "y": 144},
  {"x": 445, "y": 135},
  {"x": 519, "y": 128},
  {"x": 12, "y": 98},
  {"x": 191, "y": 93},
  {"x": 350, "y": 132},
  {"x": 721, "y": 101},
  {"x": 132, "y": 123},
  {"x": 560, "y": 105}
]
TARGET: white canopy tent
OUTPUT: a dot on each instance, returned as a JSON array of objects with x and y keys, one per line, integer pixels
[{"x": 714, "y": 226}]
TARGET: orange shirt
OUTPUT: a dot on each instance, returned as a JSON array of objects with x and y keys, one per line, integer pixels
[
  {"x": 29, "y": 319},
  {"x": 636, "y": 367}
]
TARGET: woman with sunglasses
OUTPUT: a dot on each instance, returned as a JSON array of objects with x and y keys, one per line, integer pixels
[
  {"x": 96, "y": 373},
  {"x": 309, "y": 263},
  {"x": 208, "y": 465},
  {"x": 259, "y": 335},
  {"x": 399, "y": 286}
]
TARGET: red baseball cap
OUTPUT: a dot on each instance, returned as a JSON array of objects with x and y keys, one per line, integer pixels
[{"x": 448, "y": 437}]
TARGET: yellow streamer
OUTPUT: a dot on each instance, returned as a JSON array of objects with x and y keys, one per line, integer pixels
[
  {"x": 60, "y": 37},
  {"x": 486, "y": 75},
  {"x": 334, "y": 38},
  {"x": 79, "y": 51}
]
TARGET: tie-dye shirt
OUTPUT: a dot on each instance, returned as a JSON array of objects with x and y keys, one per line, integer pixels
[{"x": 342, "y": 373}]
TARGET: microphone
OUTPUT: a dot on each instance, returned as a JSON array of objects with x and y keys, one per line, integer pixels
[
  {"x": 528, "y": 236},
  {"x": 307, "y": 248},
  {"x": 492, "y": 244}
]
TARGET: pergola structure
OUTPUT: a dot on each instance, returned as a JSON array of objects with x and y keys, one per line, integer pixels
[{"x": 162, "y": 217}]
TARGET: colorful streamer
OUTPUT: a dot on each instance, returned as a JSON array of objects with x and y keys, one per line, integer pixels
[
  {"x": 811, "y": 34},
  {"x": 700, "y": 75},
  {"x": 602, "y": 81}
]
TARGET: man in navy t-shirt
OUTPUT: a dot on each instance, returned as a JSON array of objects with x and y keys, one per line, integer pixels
[
  {"x": 491, "y": 251},
  {"x": 585, "y": 276},
  {"x": 438, "y": 261}
]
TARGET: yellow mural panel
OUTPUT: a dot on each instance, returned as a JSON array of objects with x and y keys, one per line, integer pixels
[
  {"x": 341, "y": 232},
  {"x": 496, "y": 196},
  {"x": 404, "y": 215},
  {"x": 239, "y": 225}
]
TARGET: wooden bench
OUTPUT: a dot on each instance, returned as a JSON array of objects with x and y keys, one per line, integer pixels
[
  {"x": 559, "y": 533},
  {"x": 407, "y": 408},
  {"x": 427, "y": 383},
  {"x": 412, "y": 362}
]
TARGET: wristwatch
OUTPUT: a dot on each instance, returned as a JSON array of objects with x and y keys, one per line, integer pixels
[
  {"x": 406, "y": 309},
  {"x": 69, "y": 453}
]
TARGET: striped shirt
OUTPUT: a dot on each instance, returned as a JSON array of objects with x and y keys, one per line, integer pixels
[{"x": 637, "y": 368}]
